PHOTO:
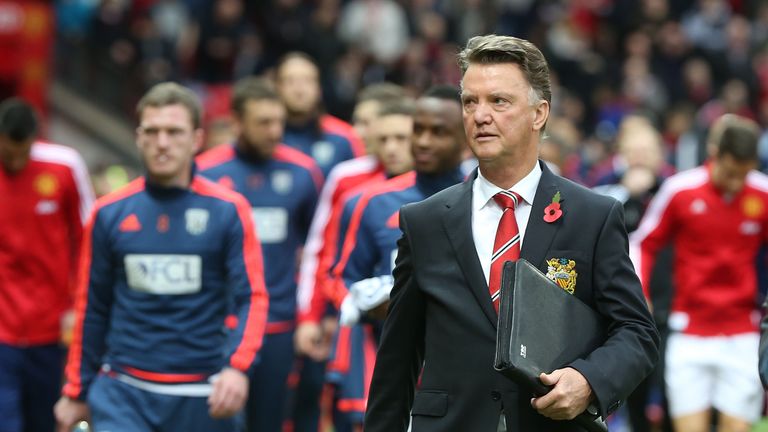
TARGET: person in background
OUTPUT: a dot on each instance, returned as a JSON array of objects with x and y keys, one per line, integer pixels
[
  {"x": 282, "y": 186},
  {"x": 639, "y": 170},
  {"x": 363, "y": 273},
  {"x": 317, "y": 323},
  {"x": 346, "y": 179},
  {"x": 171, "y": 305},
  {"x": 711, "y": 352},
  {"x": 45, "y": 197},
  {"x": 368, "y": 105},
  {"x": 327, "y": 139}
]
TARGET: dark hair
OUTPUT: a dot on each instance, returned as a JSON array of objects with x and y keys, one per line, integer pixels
[
  {"x": 495, "y": 49},
  {"x": 251, "y": 88},
  {"x": 18, "y": 120},
  {"x": 445, "y": 92},
  {"x": 170, "y": 93},
  {"x": 736, "y": 136}
]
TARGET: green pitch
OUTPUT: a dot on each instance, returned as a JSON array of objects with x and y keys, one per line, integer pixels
[{"x": 762, "y": 426}]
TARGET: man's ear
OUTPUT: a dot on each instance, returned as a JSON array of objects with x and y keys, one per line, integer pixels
[
  {"x": 540, "y": 115},
  {"x": 711, "y": 150},
  {"x": 199, "y": 139}
]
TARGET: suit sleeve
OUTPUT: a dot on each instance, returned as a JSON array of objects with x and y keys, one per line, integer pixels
[
  {"x": 654, "y": 232},
  {"x": 631, "y": 349},
  {"x": 401, "y": 350},
  {"x": 93, "y": 305},
  {"x": 245, "y": 279}
]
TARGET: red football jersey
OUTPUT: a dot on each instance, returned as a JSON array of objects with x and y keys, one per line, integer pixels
[
  {"x": 42, "y": 211},
  {"x": 716, "y": 240}
]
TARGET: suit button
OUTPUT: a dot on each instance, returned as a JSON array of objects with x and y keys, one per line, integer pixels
[{"x": 495, "y": 395}]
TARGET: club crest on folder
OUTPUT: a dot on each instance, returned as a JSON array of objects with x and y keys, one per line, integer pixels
[{"x": 562, "y": 271}]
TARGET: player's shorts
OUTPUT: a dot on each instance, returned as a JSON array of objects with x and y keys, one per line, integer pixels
[
  {"x": 267, "y": 398},
  {"x": 30, "y": 380},
  {"x": 124, "y": 404},
  {"x": 714, "y": 371}
]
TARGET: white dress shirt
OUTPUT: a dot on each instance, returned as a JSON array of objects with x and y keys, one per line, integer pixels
[{"x": 486, "y": 214}]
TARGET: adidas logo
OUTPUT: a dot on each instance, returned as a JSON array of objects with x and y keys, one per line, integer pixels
[{"x": 130, "y": 224}]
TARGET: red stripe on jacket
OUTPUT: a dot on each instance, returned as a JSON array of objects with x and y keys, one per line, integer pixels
[
  {"x": 253, "y": 332},
  {"x": 335, "y": 125},
  {"x": 284, "y": 153},
  {"x": 398, "y": 183},
  {"x": 215, "y": 156}
]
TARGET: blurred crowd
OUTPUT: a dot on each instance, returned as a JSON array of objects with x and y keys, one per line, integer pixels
[{"x": 682, "y": 64}]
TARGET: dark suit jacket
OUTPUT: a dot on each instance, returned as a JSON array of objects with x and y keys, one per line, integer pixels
[{"x": 441, "y": 316}]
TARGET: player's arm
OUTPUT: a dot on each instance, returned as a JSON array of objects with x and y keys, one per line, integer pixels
[
  {"x": 654, "y": 232},
  {"x": 314, "y": 218},
  {"x": 359, "y": 256},
  {"x": 334, "y": 282},
  {"x": 245, "y": 279},
  {"x": 306, "y": 210},
  {"x": 310, "y": 299},
  {"x": 93, "y": 304}
]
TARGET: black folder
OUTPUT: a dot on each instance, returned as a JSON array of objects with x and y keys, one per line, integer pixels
[{"x": 542, "y": 328}]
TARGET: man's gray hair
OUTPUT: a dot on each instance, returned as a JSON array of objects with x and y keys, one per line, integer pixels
[{"x": 495, "y": 49}]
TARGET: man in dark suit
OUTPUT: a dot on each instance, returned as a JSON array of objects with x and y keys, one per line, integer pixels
[{"x": 441, "y": 322}]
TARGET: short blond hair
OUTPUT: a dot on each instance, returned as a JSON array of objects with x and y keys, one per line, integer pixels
[{"x": 171, "y": 93}]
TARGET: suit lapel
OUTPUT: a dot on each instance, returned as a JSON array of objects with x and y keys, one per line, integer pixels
[
  {"x": 458, "y": 225},
  {"x": 539, "y": 234}
]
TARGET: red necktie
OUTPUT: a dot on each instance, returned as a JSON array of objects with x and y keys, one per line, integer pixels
[{"x": 506, "y": 247}]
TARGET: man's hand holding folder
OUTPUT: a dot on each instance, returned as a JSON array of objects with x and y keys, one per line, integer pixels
[
  {"x": 569, "y": 397},
  {"x": 541, "y": 330}
]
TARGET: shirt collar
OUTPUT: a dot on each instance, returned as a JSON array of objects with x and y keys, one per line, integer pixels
[{"x": 526, "y": 187}]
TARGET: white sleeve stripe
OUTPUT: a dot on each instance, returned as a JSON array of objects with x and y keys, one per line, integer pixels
[
  {"x": 758, "y": 180},
  {"x": 309, "y": 262},
  {"x": 68, "y": 157},
  {"x": 685, "y": 180}
]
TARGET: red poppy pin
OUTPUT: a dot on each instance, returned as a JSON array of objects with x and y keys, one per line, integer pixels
[{"x": 552, "y": 212}]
